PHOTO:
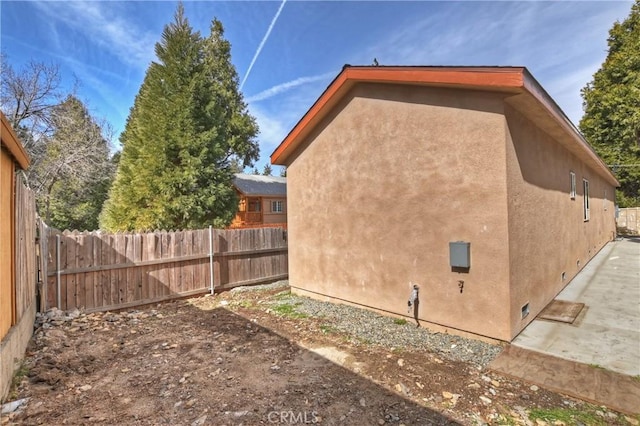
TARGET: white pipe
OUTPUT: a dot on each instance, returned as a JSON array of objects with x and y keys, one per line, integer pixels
[
  {"x": 211, "y": 257},
  {"x": 59, "y": 299}
]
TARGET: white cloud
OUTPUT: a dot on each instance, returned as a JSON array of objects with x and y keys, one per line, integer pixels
[
  {"x": 102, "y": 26},
  {"x": 561, "y": 43},
  {"x": 272, "y": 130},
  {"x": 284, "y": 87}
]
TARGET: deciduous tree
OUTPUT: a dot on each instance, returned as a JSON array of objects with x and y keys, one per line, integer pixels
[
  {"x": 72, "y": 177},
  {"x": 70, "y": 168}
]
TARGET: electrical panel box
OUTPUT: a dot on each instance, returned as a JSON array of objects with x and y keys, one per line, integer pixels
[{"x": 460, "y": 254}]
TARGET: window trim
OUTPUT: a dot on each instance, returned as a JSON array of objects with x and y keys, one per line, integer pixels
[
  {"x": 277, "y": 206},
  {"x": 585, "y": 200},
  {"x": 572, "y": 187}
]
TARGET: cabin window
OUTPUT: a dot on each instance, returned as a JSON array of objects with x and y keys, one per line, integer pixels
[
  {"x": 254, "y": 204},
  {"x": 276, "y": 206},
  {"x": 585, "y": 186},
  {"x": 572, "y": 191}
]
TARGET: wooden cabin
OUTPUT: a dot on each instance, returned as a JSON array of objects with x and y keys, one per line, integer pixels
[{"x": 263, "y": 201}]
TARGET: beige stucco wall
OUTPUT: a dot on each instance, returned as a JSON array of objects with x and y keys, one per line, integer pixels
[
  {"x": 547, "y": 233},
  {"x": 269, "y": 216},
  {"x": 390, "y": 178}
]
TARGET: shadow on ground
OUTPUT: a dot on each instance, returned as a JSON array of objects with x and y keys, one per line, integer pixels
[{"x": 183, "y": 365}]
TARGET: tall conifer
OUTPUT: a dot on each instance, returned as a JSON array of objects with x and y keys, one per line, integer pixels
[{"x": 187, "y": 124}]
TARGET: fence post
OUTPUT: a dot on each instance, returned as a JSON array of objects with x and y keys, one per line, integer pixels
[
  {"x": 58, "y": 296},
  {"x": 211, "y": 257}
]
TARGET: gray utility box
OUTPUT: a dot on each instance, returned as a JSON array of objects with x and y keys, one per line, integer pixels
[{"x": 460, "y": 254}]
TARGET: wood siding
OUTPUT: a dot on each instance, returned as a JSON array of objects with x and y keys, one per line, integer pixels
[{"x": 6, "y": 242}]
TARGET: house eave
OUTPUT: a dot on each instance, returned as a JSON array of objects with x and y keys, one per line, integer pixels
[
  {"x": 12, "y": 143},
  {"x": 513, "y": 81}
]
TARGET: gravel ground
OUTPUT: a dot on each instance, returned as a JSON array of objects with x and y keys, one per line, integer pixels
[{"x": 372, "y": 328}]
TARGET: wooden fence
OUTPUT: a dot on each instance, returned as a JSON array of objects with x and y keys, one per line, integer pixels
[
  {"x": 25, "y": 249},
  {"x": 628, "y": 220},
  {"x": 98, "y": 271}
]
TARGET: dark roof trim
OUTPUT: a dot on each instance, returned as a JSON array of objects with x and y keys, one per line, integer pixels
[{"x": 12, "y": 143}]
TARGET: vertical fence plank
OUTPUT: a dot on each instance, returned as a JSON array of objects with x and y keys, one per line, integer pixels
[
  {"x": 67, "y": 262},
  {"x": 96, "y": 255},
  {"x": 121, "y": 257},
  {"x": 112, "y": 256},
  {"x": 155, "y": 253},
  {"x": 108, "y": 271},
  {"x": 85, "y": 281},
  {"x": 52, "y": 295},
  {"x": 166, "y": 278}
]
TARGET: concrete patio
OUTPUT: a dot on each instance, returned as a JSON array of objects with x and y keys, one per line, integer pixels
[{"x": 607, "y": 332}]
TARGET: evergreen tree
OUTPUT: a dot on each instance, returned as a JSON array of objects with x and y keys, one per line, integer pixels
[
  {"x": 266, "y": 171},
  {"x": 187, "y": 125},
  {"x": 611, "y": 122}
]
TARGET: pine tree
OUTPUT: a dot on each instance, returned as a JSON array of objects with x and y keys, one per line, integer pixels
[
  {"x": 266, "y": 171},
  {"x": 611, "y": 122},
  {"x": 187, "y": 125}
]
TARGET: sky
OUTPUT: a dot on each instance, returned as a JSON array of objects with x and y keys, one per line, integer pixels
[{"x": 287, "y": 52}]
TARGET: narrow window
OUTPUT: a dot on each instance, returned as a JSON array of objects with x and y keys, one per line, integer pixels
[
  {"x": 276, "y": 206},
  {"x": 585, "y": 185},
  {"x": 572, "y": 191},
  {"x": 604, "y": 202}
]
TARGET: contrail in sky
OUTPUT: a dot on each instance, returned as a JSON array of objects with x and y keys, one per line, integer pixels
[
  {"x": 264, "y": 40},
  {"x": 283, "y": 87}
]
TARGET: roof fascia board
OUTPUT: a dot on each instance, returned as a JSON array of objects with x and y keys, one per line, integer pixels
[
  {"x": 515, "y": 78},
  {"x": 445, "y": 76},
  {"x": 11, "y": 141},
  {"x": 534, "y": 88}
]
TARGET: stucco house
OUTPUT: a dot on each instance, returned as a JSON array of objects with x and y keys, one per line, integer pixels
[
  {"x": 263, "y": 200},
  {"x": 469, "y": 182}
]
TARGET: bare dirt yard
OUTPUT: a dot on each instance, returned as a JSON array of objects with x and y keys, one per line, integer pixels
[{"x": 255, "y": 357}]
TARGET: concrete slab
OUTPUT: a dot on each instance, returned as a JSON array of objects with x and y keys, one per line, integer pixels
[
  {"x": 596, "y": 385},
  {"x": 607, "y": 331}
]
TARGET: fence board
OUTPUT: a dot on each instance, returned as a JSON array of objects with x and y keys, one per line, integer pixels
[
  {"x": 628, "y": 220},
  {"x": 111, "y": 271},
  {"x": 25, "y": 259}
]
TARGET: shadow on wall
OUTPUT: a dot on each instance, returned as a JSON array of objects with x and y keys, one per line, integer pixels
[
  {"x": 238, "y": 373},
  {"x": 544, "y": 162}
]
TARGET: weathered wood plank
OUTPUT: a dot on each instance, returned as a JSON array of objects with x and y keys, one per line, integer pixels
[
  {"x": 69, "y": 261},
  {"x": 109, "y": 271},
  {"x": 121, "y": 258},
  {"x": 168, "y": 251},
  {"x": 85, "y": 281}
]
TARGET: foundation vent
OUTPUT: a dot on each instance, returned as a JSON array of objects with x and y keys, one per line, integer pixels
[{"x": 525, "y": 310}]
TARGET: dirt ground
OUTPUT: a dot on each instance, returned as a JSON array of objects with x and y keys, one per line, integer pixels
[{"x": 234, "y": 360}]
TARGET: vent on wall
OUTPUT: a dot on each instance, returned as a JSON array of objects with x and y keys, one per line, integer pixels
[{"x": 525, "y": 310}]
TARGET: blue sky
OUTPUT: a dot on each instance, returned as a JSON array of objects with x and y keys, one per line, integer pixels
[{"x": 286, "y": 53}]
